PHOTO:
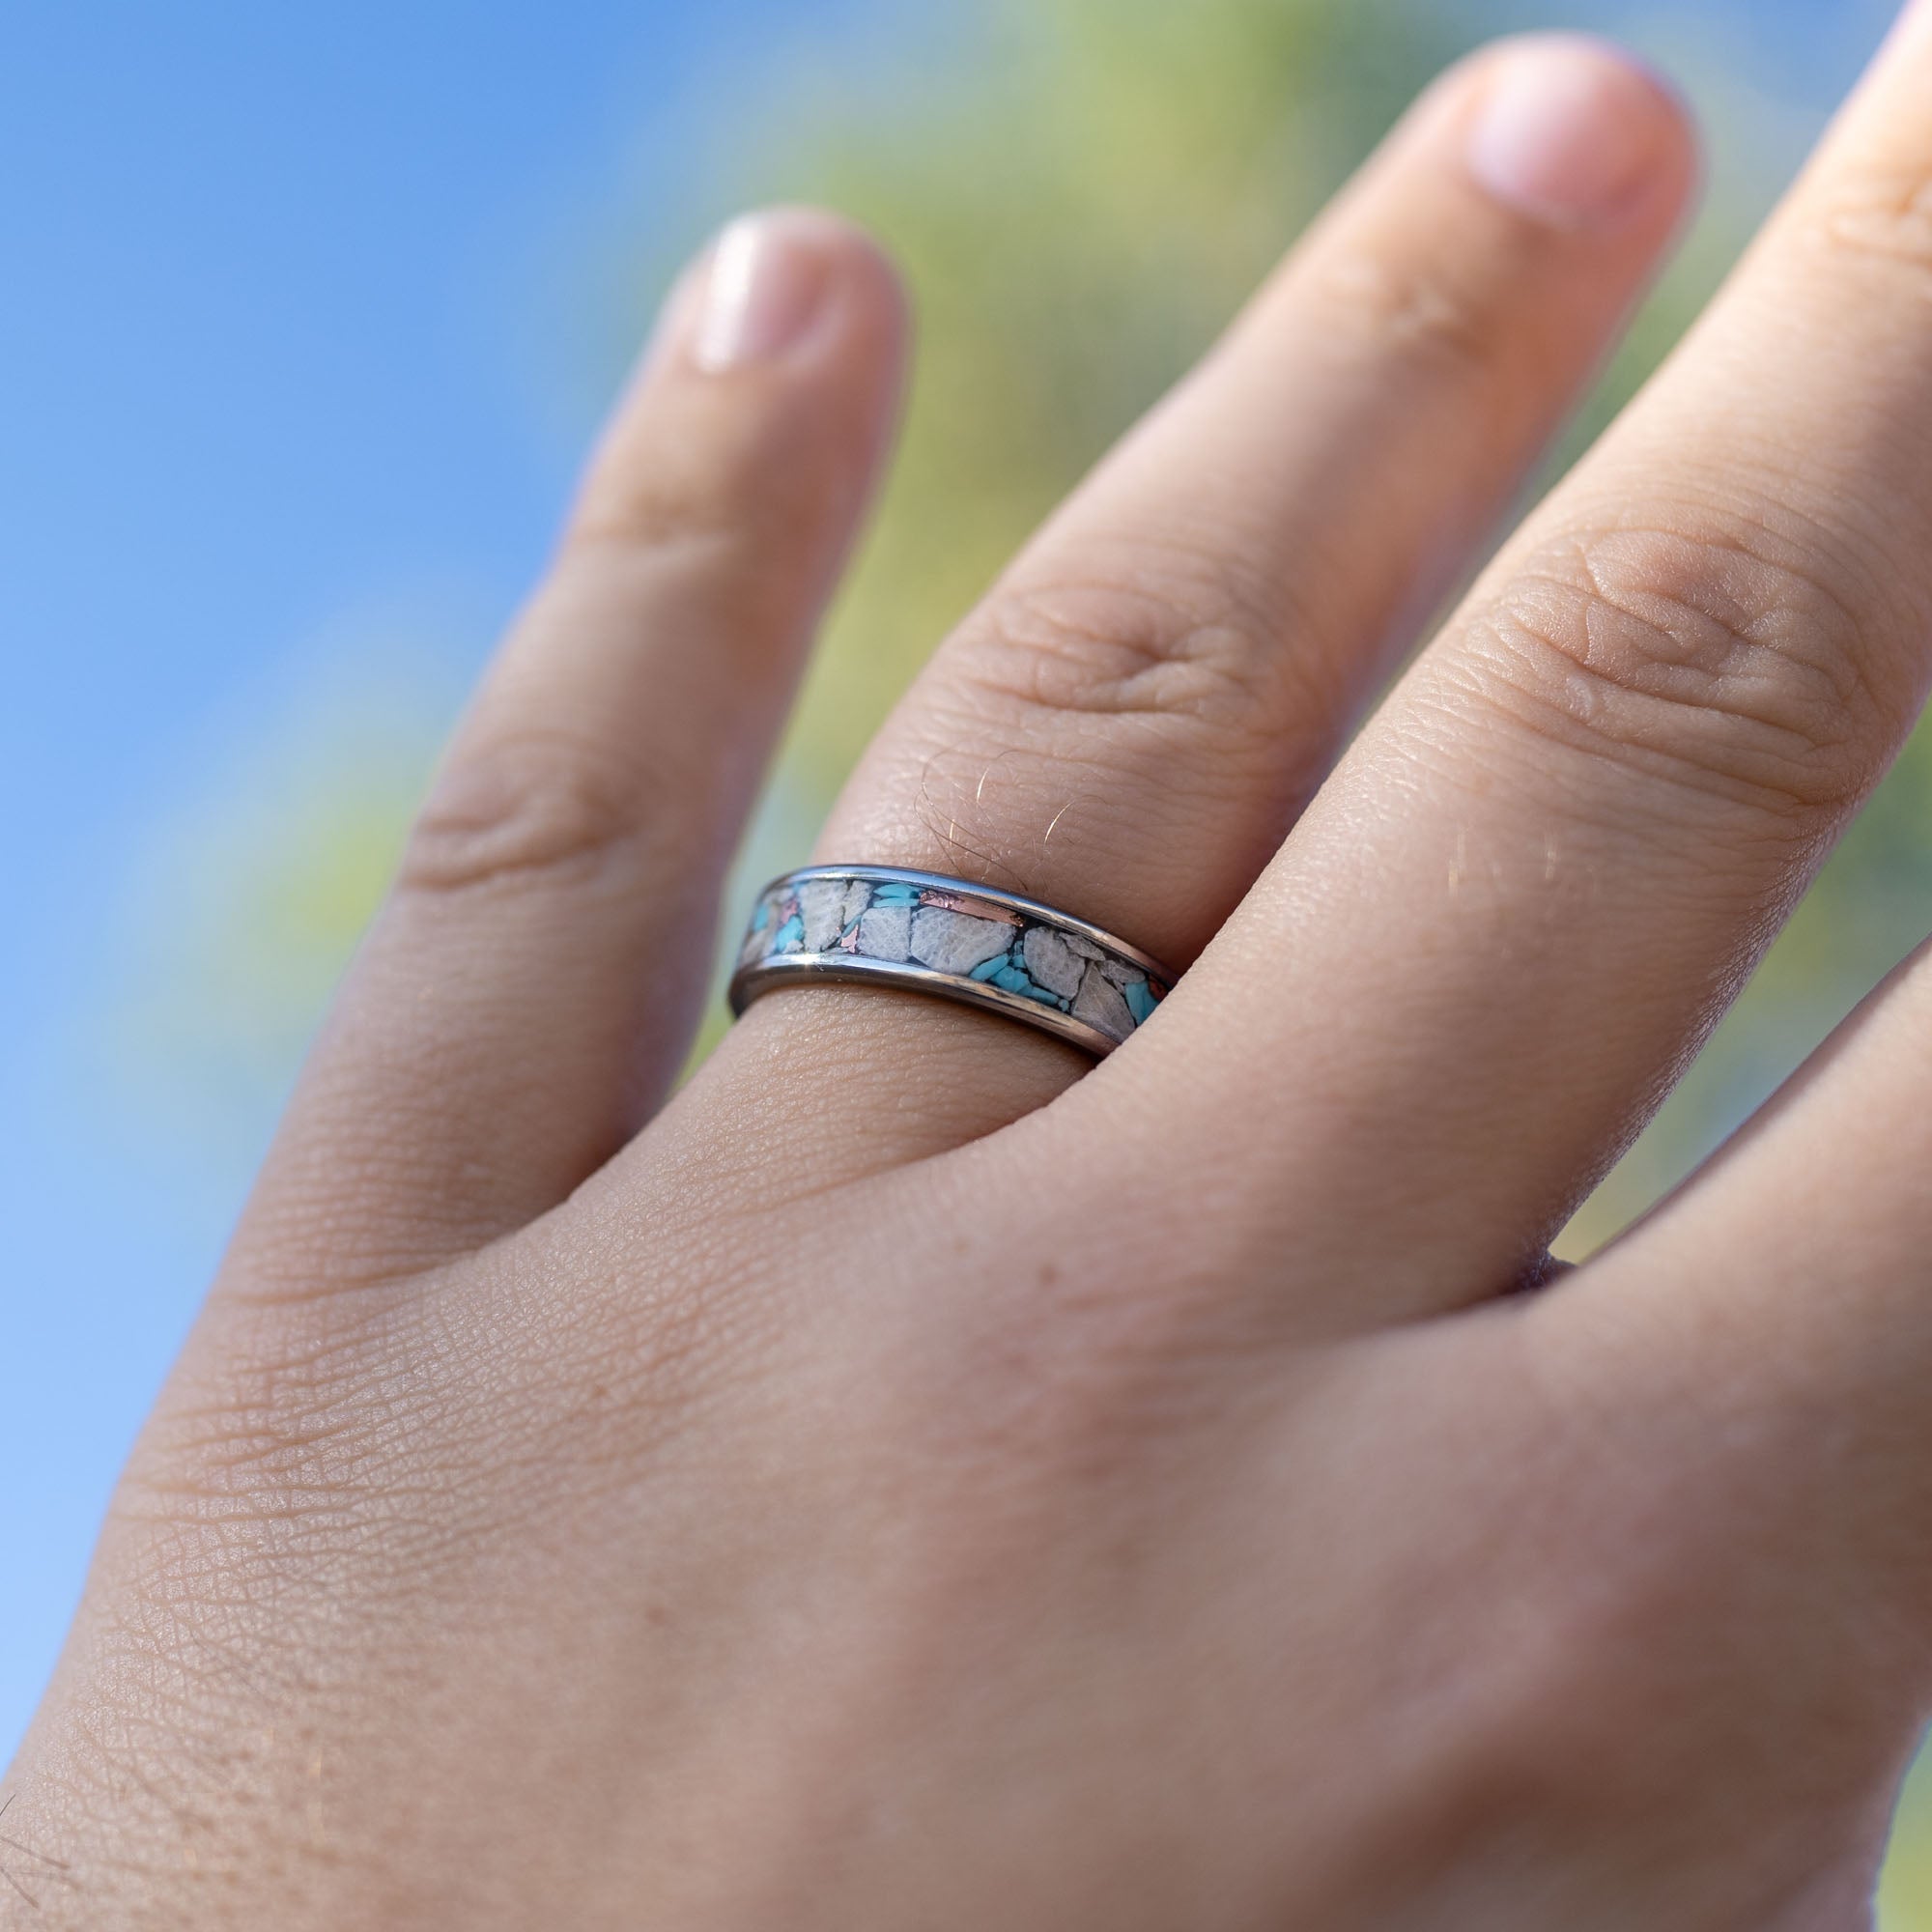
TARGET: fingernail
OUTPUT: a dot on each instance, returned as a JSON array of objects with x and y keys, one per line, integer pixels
[
  {"x": 1568, "y": 132},
  {"x": 767, "y": 281}
]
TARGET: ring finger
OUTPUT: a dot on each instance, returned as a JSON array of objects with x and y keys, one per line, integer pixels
[{"x": 1131, "y": 721}]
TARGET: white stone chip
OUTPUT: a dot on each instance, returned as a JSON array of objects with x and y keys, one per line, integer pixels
[
  {"x": 1099, "y": 1004},
  {"x": 956, "y": 942},
  {"x": 886, "y": 932},
  {"x": 821, "y": 905},
  {"x": 1050, "y": 962}
]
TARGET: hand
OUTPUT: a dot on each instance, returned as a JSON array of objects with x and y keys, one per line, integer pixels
[{"x": 911, "y": 1479}]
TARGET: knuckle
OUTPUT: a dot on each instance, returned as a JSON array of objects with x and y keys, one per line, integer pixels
[
  {"x": 1157, "y": 628},
  {"x": 667, "y": 483},
  {"x": 1414, "y": 310},
  {"x": 667, "y": 514},
  {"x": 524, "y": 804},
  {"x": 1879, "y": 214},
  {"x": 1720, "y": 657},
  {"x": 746, "y": 546},
  {"x": 716, "y": 492}
]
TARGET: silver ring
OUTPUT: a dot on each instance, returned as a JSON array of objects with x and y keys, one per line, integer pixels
[{"x": 879, "y": 925}]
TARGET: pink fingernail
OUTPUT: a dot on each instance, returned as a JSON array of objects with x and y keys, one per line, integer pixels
[
  {"x": 1570, "y": 132},
  {"x": 767, "y": 281}
]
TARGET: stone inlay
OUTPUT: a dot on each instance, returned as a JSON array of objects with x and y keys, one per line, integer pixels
[{"x": 951, "y": 929}]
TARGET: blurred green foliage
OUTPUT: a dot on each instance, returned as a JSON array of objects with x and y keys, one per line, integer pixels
[{"x": 1080, "y": 192}]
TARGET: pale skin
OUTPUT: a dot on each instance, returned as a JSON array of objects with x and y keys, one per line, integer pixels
[{"x": 912, "y": 1478}]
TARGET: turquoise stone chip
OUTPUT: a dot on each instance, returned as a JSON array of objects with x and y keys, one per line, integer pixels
[
  {"x": 991, "y": 969},
  {"x": 1013, "y": 980},
  {"x": 896, "y": 893},
  {"x": 790, "y": 935},
  {"x": 1140, "y": 998}
]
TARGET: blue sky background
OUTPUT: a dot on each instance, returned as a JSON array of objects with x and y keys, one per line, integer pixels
[{"x": 305, "y": 322}]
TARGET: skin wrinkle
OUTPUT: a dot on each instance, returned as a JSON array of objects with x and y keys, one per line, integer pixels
[
  {"x": 698, "y": 515},
  {"x": 696, "y": 541},
  {"x": 1782, "y": 526},
  {"x": 1259, "y": 631},
  {"x": 1755, "y": 616},
  {"x": 545, "y": 803},
  {"x": 278, "y": 1497},
  {"x": 1883, "y": 217},
  {"x": 1579, "y": 647},
  {"x": 46, "y": 1867},
  {"x": 1362, "y": 301},
  {"x": 596, "y": 580},
  {"x": 1143, "y": 649},
  {"x": 657, "y": 1350},
  {"x": 1720, "y": 575}
]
